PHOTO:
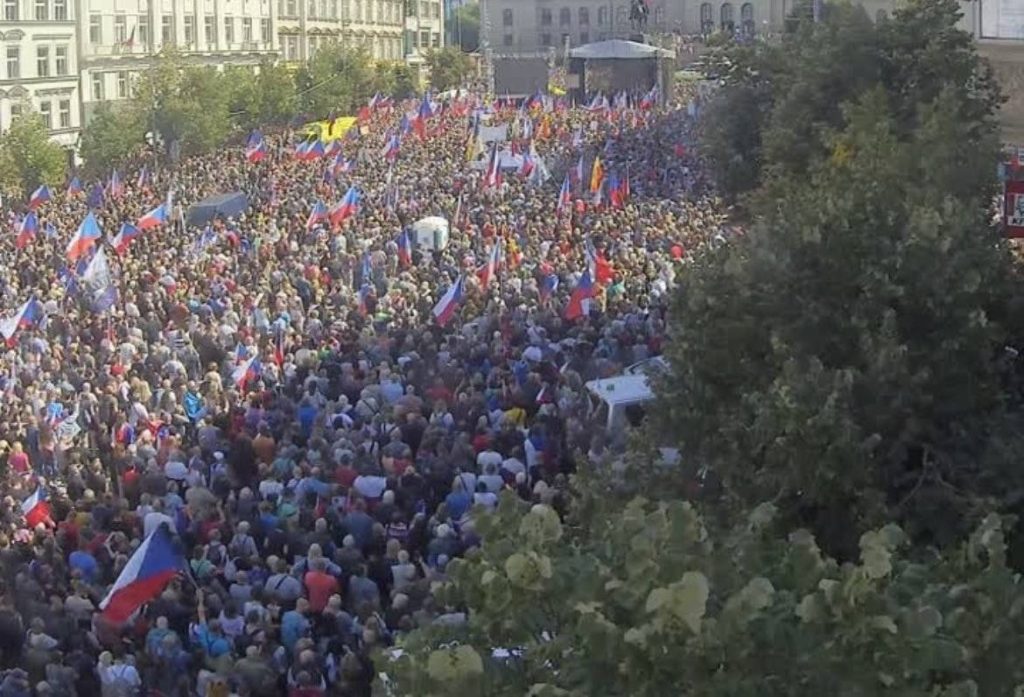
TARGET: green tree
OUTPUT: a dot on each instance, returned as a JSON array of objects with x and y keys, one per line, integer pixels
[
  {"x": 110, "y": 136},
  {"x": 649, "y": 599},
  {"x": 791, "y": 93},
  {"x": 402, "y": 79},
  {"x": 28, "y": 157},
  {"x": 266, "y": 98},
  {"x": 337, "y": 80},
  {"x": 184, "y": 104},
  {"x": 846, "y": 359},
  {"x": 465, "y": 28},
  {"x": 449, "y": 67}
]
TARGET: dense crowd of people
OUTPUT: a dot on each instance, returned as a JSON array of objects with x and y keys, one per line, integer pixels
[{"x": 315, "y": 498}]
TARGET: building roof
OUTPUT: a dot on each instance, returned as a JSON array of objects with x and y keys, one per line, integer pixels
[{"x": 620, "y": 49}]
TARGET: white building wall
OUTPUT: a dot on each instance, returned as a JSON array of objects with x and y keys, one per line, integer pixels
[
  {"x": 118, "y": 39},
  {"x": 39, "y": 64}
]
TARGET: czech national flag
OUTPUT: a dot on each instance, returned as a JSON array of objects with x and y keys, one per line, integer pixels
[
  {"x": 279, "y": 348},
  {"x": 615, "y": 191},
  {"x": 153, "y": 565},
  {"x": 392, "y": 146},
  {"x": 317, "y": 215},
  {"x": 600, "y": 268},
  {"x": 548, "y": 286},
  {"x": 650, "y": 99},
  {"x": 74, "y": 187},
  {"x": 346, "y": 208},
  {"x": 125, "y": 235},
  {"x": 302, "y": 150},
  {"x": 405, "y": 249},
  {"x": 579, "y": 301},
  {"x": 425, "y": 112},
  {"x": 528, "y": 165},
  {"x": 27, "y": 230},
  {"x": 565, "y": 196},
  {"x": 26, "y": 316},
  {"x": 316, "y": 150},
  {"x": 39, "y": 197},
  {"x": 36, "y": 508},
  {"x": 446, "y": 307},
  {"x": 492, "y": 177},
  {"x": 155, "y": 218},
  {"x": 84, "y": 238},
  {"x": 255, "y": 148},
  {"x": 246, "y": 372},
  {"x": 488, "y": 270}
]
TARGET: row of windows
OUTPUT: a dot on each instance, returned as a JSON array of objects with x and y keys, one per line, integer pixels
[
  {"x": 48, "y": 62},
  {"x": 379, "y": 11},
  {"x": 46, "y": 110},
  {"x": 122, "y": 85},
  {"x": 42, "y": 10},
  {"x": 727, "y": 18},
  {"x": 381, "y": 48},
  {"x": 582, "y": 16},
  {"x": 140, "y": 31}
]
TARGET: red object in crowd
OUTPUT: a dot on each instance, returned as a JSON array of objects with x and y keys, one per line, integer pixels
[{"x": 677, "y": 251}]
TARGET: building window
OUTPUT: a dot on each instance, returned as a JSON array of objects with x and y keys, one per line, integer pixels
[
  {"x": 60, "y": 10},
  {"x": 707, "y": 25},
  {"x": 728, "y": 22},
  {"x": 95, "y": 30},
  {"x": 210, "y": 29},
  {"x": 64, "y": 113},
  {"x": 265, "y": 30},
  {"x": 564, "y": 17},
  {"x": 508, "y": 40},
  {"x": 42, "y": 61},
  {"x": 290, "y": 9},
  {"x": 545, "y": 39},
  {"x": 602, "y": 16},
  {"x": 120, "y": 29},
  {"x": 545, "y": 17},
  {"x": 190, "y": 30},
  {"x": 122, "y": 84},
  {"x": 11, "y": 10},
  {"x": 60, "y": 57},
  {"x": 565, "y": 41},
  {"x": 584, "y": 38},
  {"x": 584, "y": 16},
  {"x": 15, "y": 111},
  {"x": 747, "y": 20},
  {"x": 229, "y": 30},
  {"x": 167, "y": 29},
  {"x": 42, "y": 10},
  {"x": 47, "y": 114},
  {"x": 97, "y": 87},
  {"x": 143, "y": 28},
  {"x": 435, "y": 40},
  {"x": 424, "y": 38},
  {"x": 507, "y": 18},
  {"x": 13, "y": 62},
  {"x": 247, "y": 29}
]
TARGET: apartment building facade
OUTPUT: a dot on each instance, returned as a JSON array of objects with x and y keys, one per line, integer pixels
[
  {"x": 424, "y": 29},
  {"x": 305, "y": 25},
  {"x": 39, "y": 64},
  {"x": 118, "y": 39}
]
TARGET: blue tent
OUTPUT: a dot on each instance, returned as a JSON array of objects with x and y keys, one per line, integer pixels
[{"x": 223, "y": 205}]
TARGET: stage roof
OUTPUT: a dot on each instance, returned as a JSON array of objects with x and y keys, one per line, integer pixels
[{"x": 619, "y": 49}]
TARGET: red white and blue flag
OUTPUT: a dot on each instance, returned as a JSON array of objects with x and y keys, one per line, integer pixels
[
  {"x": 36, "y": 509},
  {"x": 154, "y": 218},
  {"x": 255, "y": 147},
  {"x": 405, "y": 249},
  {"x": 124, "y": 237},
  {"x": 74, "y": 187},
  {"x": 317, "y": 215},
  {"x": 39, "y": 197},
  {"x": 579, "y": 301},
  {"x": 346, "y": 208},
  {"x": 392, "y": 147},
  {"x": 492, "y": 177},
  {"x": 487, "y": 272},
  {"x": 447, "y": 306},
  {"x": 425, "y": 112},
  {"x": 247, "y": 371},
  {"x": 115, "y": 187},
  {"x": 153, "y": 565},
  {"x": 85, "y": 237},
  {"x": 600, "y": 269},
  {"x": 27, "y": 316},
  {"x": 565, "y": 196},
  {"x": 27, "y": 230}
]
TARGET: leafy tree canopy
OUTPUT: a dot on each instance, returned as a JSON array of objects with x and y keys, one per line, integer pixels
[
  {"x": 449, "y": 68},
  {"x": 111, "y": 136},
  {"x": 28, "y": 157}
]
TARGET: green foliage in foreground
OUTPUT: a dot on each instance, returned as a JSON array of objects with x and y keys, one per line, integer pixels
[{"x": 650, "y": 601}]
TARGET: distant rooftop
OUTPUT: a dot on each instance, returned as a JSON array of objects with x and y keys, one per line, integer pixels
[{"x": 620, "y": 49}]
